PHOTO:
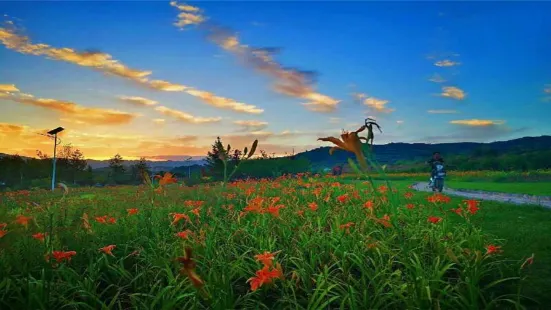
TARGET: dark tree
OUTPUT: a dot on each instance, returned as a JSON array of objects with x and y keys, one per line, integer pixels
[
  {"x": 117, "y": 168},
  {"x": 214, "y": 158}
]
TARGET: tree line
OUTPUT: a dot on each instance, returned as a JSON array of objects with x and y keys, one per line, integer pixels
[
  {"x": 488, "y": 159},
  {"x": 17, "y": 172}
]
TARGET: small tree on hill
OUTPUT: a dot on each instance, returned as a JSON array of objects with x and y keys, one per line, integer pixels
[
  {"x": 117, "y": 168},
  {"x": 139, "y": 169},
  {"x": 77, "y": 164},
  {"x": 215, "y": 157}
]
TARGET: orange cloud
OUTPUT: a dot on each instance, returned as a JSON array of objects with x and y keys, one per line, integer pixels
[
  {"x": 186, "y": 117},
  {"x": 224, "y": 103},
  {"x": 442, "y": 111},
  {"x": 23, "y": 140},
  {"x": 94, "y": 116},
  {"x": 436, "y": 78},
  {"x": 291, "y": 82},
  {"x": 10, "y": 129},
  {"x": 138, "y": 100},
  {"x": 477, "y": 122},
  {"x": 375, "y": 104},
  {"x": 453, "y": 92},
  {"x": 446, "y": 63},
  {"x": 189, "y": 15},
  {"x": 251, "y": 125},
  {"x": 8, "y": 88},
  {"x": 107, "y": 64}
]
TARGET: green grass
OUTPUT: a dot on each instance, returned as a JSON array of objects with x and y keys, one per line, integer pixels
[
  {"x": 531, "y": 188},
  {"x": 413, "y": 264},
  {"x": 525, "y": 229}
]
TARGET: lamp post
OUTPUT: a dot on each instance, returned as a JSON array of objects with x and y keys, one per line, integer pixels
[{"x": 54, "y": 133}]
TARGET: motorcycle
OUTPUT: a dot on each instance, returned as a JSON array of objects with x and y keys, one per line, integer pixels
[{"x": 436, "y": 182}]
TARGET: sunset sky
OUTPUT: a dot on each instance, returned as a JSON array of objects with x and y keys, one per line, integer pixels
[{"x": 162, "y": 79}]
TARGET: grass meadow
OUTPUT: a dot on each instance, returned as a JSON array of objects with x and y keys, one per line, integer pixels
[{"x": 305, "y": 242}]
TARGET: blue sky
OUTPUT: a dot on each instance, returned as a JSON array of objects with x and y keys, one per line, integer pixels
[{"x": 498, "y": 57}]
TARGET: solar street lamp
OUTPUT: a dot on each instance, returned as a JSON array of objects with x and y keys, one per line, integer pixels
[{"x": 53, "y": 134}]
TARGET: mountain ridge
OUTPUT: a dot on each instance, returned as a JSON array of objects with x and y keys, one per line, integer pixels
[{"x": 384, "y": 153}]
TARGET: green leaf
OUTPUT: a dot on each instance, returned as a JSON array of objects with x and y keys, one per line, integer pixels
[{"x": 354, "y": 166}]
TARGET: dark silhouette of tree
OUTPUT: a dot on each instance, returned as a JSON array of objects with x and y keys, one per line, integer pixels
[
  {"x": 117, "y": 168},
  {"x": 214, "y": 159},
  {"x": 139, "y": 168}
]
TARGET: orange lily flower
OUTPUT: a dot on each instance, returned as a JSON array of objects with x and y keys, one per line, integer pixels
[
  {"x": 3, "y": 233},
  {"x": 108, "y": 249},
  {"x": 492, "y": 249},
  {"x": 434, "y": 219},
  {"x": 23, "y": 220},
  {"x": 313, "y": 206},
  {"x": 184, "y": 234},
  {"x": 168, "y": 178},
  {"x": 350, "y": 141},
  {"x": 472, "y": 206},
  {"x": 265, "y": 258},
  {"x": 342, "y": 198},
  {"x": 176, "y": 217},
  {"x": 385, "y": 221},
  {"x": 265, "y": 276},
  {"x": 62, "y": 255},
  {"x": 132, "y": 211},
  {"x": 40, "y": 236}
]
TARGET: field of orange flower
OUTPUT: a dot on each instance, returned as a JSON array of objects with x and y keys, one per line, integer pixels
[{"x": 302, "y": 243}]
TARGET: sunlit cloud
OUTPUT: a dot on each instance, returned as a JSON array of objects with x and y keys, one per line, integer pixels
[
  {"x": 436, "y": 78},
  {"x": 442, "y": 111},
  {"x": 547, "y": 89},
  {"x": 477, "y": 122},
  {"x": 288, "y": 81},
  {"x": 186, "y": 117},
  {"x": 375, "y": 104},
  {"x": 24, "y": 140},
  {"x": 453, "y": 92},
  {"x": 251, "y": 125},
  {"x": 93, "y": 116},
  {"x": 10, "y": 129},
  {"x": 225, "y": 103},
  {"x": 8, "y": 88},
  {"x": 105, "y": 63},
  {"x": 189, "y": 15},
  {"x": 334, "y": 120},
  {"x": 158, "y": 121},
  {"x": 138, "y": 100},
  {"x": 399, "y": 122},
  {"x": 446, "y": 63}
]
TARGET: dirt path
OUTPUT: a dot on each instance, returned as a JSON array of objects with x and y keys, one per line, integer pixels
[{"x": 544, "y": 201}]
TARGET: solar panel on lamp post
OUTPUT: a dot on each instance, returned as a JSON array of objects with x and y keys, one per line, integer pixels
[{"x": 54, "y": 132}]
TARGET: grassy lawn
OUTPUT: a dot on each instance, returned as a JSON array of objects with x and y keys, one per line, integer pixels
[
  {"x": 525, "y": 229},
  {"x": 531, "y": 188}
]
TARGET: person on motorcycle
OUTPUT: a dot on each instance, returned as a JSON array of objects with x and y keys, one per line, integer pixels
[{"x": 433, "y": 162}]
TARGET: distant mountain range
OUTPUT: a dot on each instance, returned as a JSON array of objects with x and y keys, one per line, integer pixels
[
  {"x": 393, "y": 152},
  {"x": 157, "y": 165},
  {"x": 384, "y": 154}
]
